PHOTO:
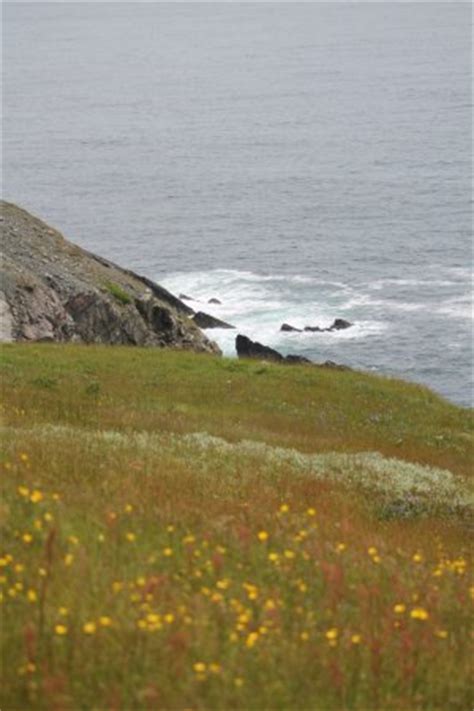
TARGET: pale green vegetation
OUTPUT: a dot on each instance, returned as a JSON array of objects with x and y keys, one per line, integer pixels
[{"x": 187, "y": 532}]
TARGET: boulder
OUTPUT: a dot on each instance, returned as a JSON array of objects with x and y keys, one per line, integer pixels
[
  {"x": 215, "y": 301},
  {"x": 183, "y": 297},
  {"x": 313, "y": 329},
  {"x": 339, "y": 324},
  {"x": 247, "y": 348},
  {"x": 287, "y": 327},
  {"x": 204, "y": 320}
]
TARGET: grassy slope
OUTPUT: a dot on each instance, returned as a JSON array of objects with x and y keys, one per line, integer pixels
[{"x": 158, "y": 531}]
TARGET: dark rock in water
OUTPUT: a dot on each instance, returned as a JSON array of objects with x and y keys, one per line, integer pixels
[
  {"x": 339, "y": 324},
  {"x": 184, "y": 297},
  {"x": 252, "y": 349},
  {"x": 297, "y": 359},
  {"x": 52, "y": 290},
  {"x": 215, "y": 301},
  {"x": 247, "y": 348},
  {"x": 206, "y": 321},
  {"x": 289, "y": 328}
]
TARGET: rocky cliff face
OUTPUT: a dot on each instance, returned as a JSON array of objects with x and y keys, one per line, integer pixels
[{"x": 52, "y": 290}]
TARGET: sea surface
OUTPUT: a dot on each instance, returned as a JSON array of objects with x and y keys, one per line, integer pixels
[{"x": 300, "y": 162}]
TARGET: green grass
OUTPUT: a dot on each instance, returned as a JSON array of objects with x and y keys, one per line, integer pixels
[
  {"x": 118, "y": 293},
  {"x": 188, "y": 532}
]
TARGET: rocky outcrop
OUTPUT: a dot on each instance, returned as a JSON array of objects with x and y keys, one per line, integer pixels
[
  {"x": 52, "y": 290},
  {"x": 338, "y": 324},
  {"x": 215, "y": 301},
  {"x": 247, "y": 348},
  {"x": 206, "y": 321},
  {"x": 288, "y": 328}
]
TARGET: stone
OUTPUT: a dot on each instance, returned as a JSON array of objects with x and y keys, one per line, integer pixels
[
  {"x": 287, "y": 327},
  {"x": 339, "y": 324},
  {"x": 204, "y": 320},
  {"x": 247, "y": 348},
  {"x": 215, "y": 301}
]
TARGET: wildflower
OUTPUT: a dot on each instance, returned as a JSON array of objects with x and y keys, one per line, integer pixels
[
  {"x": 273, "y": 557},
  {"x": 169, "y": 618},
  {"x": 23, "y": 491},
  {"x": 24, "y": 457},
  {"x": 32, "y": 596},
  {"x": 372, "y": 550},
  {"x": 73, "y": 540},
  {"x": 376, "y": 559},
  {"x": 417, "y": 558},
  {"x": 419, "y": 613},
  {"x": 332, "y": 634},
  {"x": 60, "y": 630},
  {"x": 356, "y": 639},
  {"x": 105, "y": 621},
  {"x": 68, "y": 559},
  {"x": 128, "y": 508},
  {"x": 130, "y": 537},
  {"x": 48, "y": 517},
  {"x": 199, "y": 667},
  {"x": 311, "y": 511},
  {"x": 36, "y": 496},
  {"x": 19, "y": 568},
  {"x": 223, "y": 584},
  {"x": 399, "y": 608},
  {"x": 442, "y": 634},
  {"x": 215, "y": 668},
  {"x": 3, "y": 562},
  {"x": 289, "y": 554},
  {"x": 56, "y": 497},
  {"x": 63, "y": 611},
  {"x": 167, "y": 552},
  {"x": 238, "y": 681},
  {"x": 170, "y": 528},
  {"x": 251, "y": 639},
  {"x": 284, "y": 508},
  {"x": 341, "y": 547},
  {"x": 262, "y": 536},
  {"x": 89, "y": 628},
  {"x": 42, "y": 572},
  {"x": 27, "y": 538},
  {"x": 304, "y": 636}
]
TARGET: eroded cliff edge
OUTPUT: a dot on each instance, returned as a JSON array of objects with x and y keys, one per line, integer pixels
[{"x": 52, "y": 290}]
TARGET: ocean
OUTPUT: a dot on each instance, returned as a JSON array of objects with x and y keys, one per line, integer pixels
[{"x": 300, "y": 162}]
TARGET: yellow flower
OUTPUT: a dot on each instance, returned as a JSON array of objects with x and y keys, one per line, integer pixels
[
  {"x": 199, "y": 667},
  {"x": 251, "y": 639},
  {"x": 304, "y": 636},
  {"x": 372, "y": 550},
  {"x": 238, "y": 681},
  {"x": 48, "y": 517},
  {"x": 128, "y": 508},
  {"x": 56, "y": 497},
  {"x": 23, "y": 491},
  {"x": 73, "y": 540},
  {"x": 289, "y": 554},
  {"x": 273, "y": 557},
  {"x": 215, "y": 668},
  {"x": 340, "y": 547},
  {"x": 27, "y": 538},
  {"x": 60, "y": 630},
  {"x": 68, "y": 559},
  {"x": 105, "y": 621},
  {"x": 3, "y": 562},
  {"x": 32, "y": 596},
  {"x": 131, "y": 537},
  {"x": 311, "y": 511},
  {"x": 332, "y": 633},
  {"x": 262, "y": 536},
  {"x": 284, "y": 508},
  {"x": 24, "y": 457},
  {"x": 167, "y": 552},
  {"x": 356, "y": 639},
  {"x": 417, "y": 558},
  {"x": 419, "y": 613},
  {"x": 442, "y": 634},
  {"x": 399, "y": 608},
  {"x": 169, "y": 618},
  {"x": 89, "y": 628},
  {"x": 63, "y": 611},
  {"x": 36, "y": 496}
]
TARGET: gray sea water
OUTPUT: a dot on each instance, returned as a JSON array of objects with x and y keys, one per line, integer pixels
[{"x": 298, "y": 161}]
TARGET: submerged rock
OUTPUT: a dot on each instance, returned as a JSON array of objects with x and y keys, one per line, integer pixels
[
  {"x": 287, "y": 327},
  {"x": 52, "y": 290},
  {"x": 204, "y": 320},
  {"x": 215, "y": 301},
  {"x": 338, "y": 325}
]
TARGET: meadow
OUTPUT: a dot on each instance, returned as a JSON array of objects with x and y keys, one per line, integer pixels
[{"x": 188, "y": 532}]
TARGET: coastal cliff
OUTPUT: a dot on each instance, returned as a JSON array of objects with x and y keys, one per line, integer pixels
[{"x": 52, "y": 290}]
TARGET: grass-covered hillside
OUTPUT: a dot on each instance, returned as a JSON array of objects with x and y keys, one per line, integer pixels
[{"x": 188, "y": 532}]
